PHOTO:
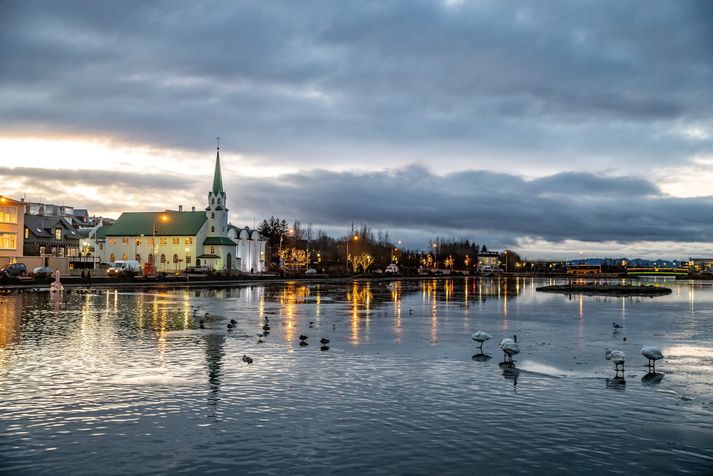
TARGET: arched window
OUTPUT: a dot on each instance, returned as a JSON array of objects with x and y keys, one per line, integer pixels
[
  {"x": 163, "y": 258},
  {"x": 150, "y": 258},
  {"x": 188, "y": 259},
  {"x": 112, "y": 257},
  {"x": 138, "y": 257},
  {"x": 212, "y": 214},
  {"x": 175, "y": 258},
  {"x": 212, "y": 201},
  {"x": 125, "y": 256},
  {"x": 219, "y": 201},
  {"x": 212, "y": 229}
]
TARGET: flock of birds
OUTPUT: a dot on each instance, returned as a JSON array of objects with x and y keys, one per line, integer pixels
[
  {"x": 510, "y": 348},
  {"x": 265, "y": 332}
]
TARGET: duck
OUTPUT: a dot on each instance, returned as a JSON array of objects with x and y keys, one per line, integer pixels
[
  {"x": 653, "y": 354},
  {"x": 481, "y": 337},
  {"x": 233, "y": 321},
  {"x": 616, "y": 326},
  {"x": 324, "y": 341},
  {"x": 303, "y": 337},
  {"x": 247, "y": 359},
  {"x": 616, "y": 356}
]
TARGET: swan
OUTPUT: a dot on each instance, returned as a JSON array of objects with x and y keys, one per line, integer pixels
[
  {"x": 616, "y": 356},
  {"x": 653, "y": 354},
  {"x": 481, "y": 337},
  {"x": 509, "y": 348}
]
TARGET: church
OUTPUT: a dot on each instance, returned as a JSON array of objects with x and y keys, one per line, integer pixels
[{"x": 172, "y": 241}]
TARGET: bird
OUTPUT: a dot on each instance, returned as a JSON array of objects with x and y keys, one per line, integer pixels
[
  {"x": 653, "y": 354},
  {"x": 324, "y": 341},
  {"x": 481, "y": 337},
  {"x": 266, "y": 327},
  {"x": 616, "y": 356},
  {"x": 247, "y": 359},
  {"x": 616, "y": 326},
  {"x": 303, "y": 343},
  {"x": 259, "y": 334},
  {"x": 509, "y": 348},
  {"x": 230, "y": 326},
  {"x": 260, "y": 341},
  {"x": 303, "y": 337},
  {"x": 267, "y": 320},
  {"x": 233, "y": 321},
  {"x": 324, "y": 347}
]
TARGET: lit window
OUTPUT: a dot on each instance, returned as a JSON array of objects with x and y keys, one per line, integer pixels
[
  {"x": 124, "y": 241},
  {"x": 176, "y": 240},
  {"x": 8, "y": 241},
  {"x": 57, "y": 233},
  {"x": 42, "y": 250},
  {"x": 188, "y": 259},
  {"x": 8, "y": 215},
  {"x": 27, "y": 233},
  {"x": 163, "y": 241},
  {"x": 212, "y": 250},
  {"x": 125, "y": 256},
  {"x": 189, "y": 241},
  {"x": 175, "y": 258},
  {"x": 112, "y": 257},
  {"x": 112, "y": 241},
  {"x": 163, "y": 259}
]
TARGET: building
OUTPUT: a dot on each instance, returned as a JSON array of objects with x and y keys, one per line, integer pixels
[
  {"x": 12, "y": 222},
  {"x": 489, "y": 258},
  {"x": 50, "y": 236},
  {"x": 174, "y": 240},
  {"x": 700, "y": 264}
]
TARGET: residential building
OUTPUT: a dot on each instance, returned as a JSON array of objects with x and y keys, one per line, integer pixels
[
  {"x": 50, "y": 236},
  {"x": 12, "y": 222}
]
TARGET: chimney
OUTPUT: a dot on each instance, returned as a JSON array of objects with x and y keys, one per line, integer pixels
[
  {"x": 180, "y": 208},
  {"x": 193, "y": 209}
]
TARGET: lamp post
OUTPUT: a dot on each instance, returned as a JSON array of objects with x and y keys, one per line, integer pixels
[
  {"x": 163, "y": 218},
  {"x": 355, "y": 238}
]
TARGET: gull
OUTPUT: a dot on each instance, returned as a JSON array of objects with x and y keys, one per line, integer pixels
[
  {"x": 509, "y": 348},
  {"x": 616, "y": 356},
  {"x": 481, "y": 337},
  {"x": 653, "y": 354}
]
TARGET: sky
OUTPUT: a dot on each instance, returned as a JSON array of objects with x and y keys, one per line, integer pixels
[{"x": 555, "y": 128}]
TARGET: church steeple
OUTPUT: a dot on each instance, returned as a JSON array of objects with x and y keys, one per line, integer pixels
[{"x": 217, "y": 177}]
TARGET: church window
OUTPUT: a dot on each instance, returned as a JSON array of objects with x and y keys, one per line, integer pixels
[
  {"x": 124, "y": 241},
  {"x": 176, "y": 240},
  {"x": 151, "y": 241},
  {"x": 212, "y": 229},
  {"x": 212, "y": 201},
  {"x": 188, "y": 259},
  {"x": 112, "y": 257},
  {"x": 125, "y": 256},
  {"x": 212, "y": 250},
  {"x": 138, "y": 257},
  {"x": 163, "y": 258},
  {"x": 150, "y": 258},
  {"x": 189, "y": 241},
  {"x": 112, "y": 241},
  {"x": 219, "y": 201},
  {"x": 163, "y": 241},
  {"x": 212, "y": 214},
  {"x": 175, "y": 258},
  {"x": 138, "y": 241}
]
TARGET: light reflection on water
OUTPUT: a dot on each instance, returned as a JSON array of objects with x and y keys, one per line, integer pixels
[{"x": 130, "y": 379}]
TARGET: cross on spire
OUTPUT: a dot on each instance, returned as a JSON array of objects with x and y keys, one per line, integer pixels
[{"x": 218, "y": 139}]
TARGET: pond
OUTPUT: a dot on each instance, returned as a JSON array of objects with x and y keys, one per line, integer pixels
[{"x": 117, "y": 381}]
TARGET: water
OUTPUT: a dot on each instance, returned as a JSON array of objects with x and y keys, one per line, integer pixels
[{"x": 127, "y": 382}]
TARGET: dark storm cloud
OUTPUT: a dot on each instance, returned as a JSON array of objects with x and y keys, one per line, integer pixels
[
  {"x": 330, "y": 82},
  {"x": 483, "y": 205}
]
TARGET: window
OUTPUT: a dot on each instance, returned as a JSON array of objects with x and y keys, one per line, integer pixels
[
  {"x": 150, "y": 241},
  {"x": 138, "y": 257},
  {"x": 138, "y": 241},
  {"x": 212, "y": 250},
  {"x": 150, "y": 258},
  {"x": 176, "y": 241},
  {"x": 212, "y": 214},
  {"x": 163, "y": 259},
  {"x": 8, "y": 241},
  {"x": 112, "y": 257},
  {"x": 188, "y": 259},
  {"x": 101, "y": 246},
  {"x": 219, "y": 201},
  {"x": 8, "y": 215},
  {"x": 189, "y": 241},
  {"x": 54, "y": 251},
  {"x": 27, "y": 233},
  {"x": 212, "y": 229},
  {"x": 212, "y": 201},
  {"x": 57, "y": 233},
  {"x": 112, "y": 241},
  {"x": 175, "y": 258},
  {"x": 125, "y": 256},
  {"x": 124, "y": 241},
  {"x": 42, "y": 250},
  {"x": 61, "y": 251},
  {"x": 163, "y": 241}
]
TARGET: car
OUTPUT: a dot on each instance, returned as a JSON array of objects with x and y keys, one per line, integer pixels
[
  {"x": 124, "y": 268},
  {"x": 311, "y": 271},
  {"x": 42, "y": 272},
  {"x": 392, "y": 268},
  {"x": 13, "y": 270}
]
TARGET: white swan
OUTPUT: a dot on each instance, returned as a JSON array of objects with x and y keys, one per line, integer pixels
[
  {"x": 481, "y": 337},
  {"x": 509, "y": 348},
  {"x": 653, "y": 354},
  {"x": 616, "y": 356}
]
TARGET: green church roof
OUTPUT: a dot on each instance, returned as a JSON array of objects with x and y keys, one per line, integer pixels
[
  {"x": 142, "y": 223},
  {"x": 218, "y": 240},
  {"x": 217, "y": 177}
]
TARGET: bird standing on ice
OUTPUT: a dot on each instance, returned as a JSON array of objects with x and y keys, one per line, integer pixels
[
  {"x": 509, "y": 348},
  {"x": 653, "y": 354},
  {"x": 616, "y": 356},
  {"x": 481, "y": 337}
]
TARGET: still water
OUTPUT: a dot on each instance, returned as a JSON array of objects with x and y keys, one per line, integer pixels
[{"x": 120, "y": 382}]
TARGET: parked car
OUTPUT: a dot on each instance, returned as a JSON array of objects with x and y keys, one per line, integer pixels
[
  {"x": 42, "y": 272},
  {"x": 311, "y": 271},
  {"x": 124, "y": 268},
  {"x": 13, "y": 270},
  {"x": 392, "y": 268}
]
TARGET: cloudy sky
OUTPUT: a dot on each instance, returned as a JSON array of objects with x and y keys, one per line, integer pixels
[{"x": 552, "y": 127}]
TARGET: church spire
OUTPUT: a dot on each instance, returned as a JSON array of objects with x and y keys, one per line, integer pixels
[{"x": 217, "y": 177}]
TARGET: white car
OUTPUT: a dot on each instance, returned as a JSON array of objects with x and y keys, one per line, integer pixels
[
  {"x": 124, "y": 267},
  {"x": 392, "y": 268},
  {"x": 311, "y": 271}
]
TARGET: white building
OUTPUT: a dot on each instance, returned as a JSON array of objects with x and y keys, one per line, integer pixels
[{"x": 174, "y": 240}]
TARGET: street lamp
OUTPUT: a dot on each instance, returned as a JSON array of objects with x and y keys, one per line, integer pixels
[
  {"x": 355, "y": 238},
  {"x": 163, "y": 218}
]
